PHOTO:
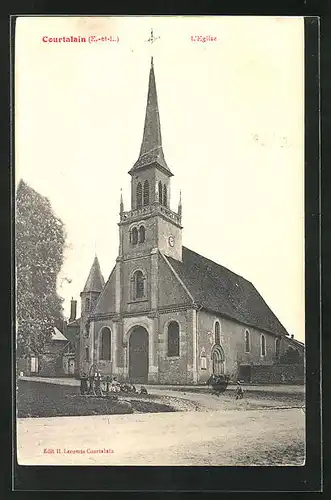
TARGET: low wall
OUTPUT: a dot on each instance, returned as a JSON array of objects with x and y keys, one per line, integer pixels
[{"x": 278, "y": 374}]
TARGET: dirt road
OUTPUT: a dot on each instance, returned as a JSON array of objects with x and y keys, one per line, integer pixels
[{"x": 256, "y": 437}]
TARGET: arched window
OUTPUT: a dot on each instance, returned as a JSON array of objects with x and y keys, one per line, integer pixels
[
  {"x": 134, "y": 236},
  {"x": 173, "y": 339},
  {"x": 263, "y": 349},
  {"x": 142, "y": 234},
  {"x": 105, "y": 352},
  {"x": 247, "y": 342},
  {"x": 87, "y": 354},
  {"x": 217, "y": 333},
  {"x": 160, "y": 192},
  {"x": 277, "y": 347},
  {"x": 87, "y": 304},
  {"x": 146, "y": 193},
  {"x": 139, "y": 195},
  {"x": 138, "y": 285},
  {"x": 165, "y": 195}
]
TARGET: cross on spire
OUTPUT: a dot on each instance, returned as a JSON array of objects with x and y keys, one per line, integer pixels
[{"x": 152, "y": 38}]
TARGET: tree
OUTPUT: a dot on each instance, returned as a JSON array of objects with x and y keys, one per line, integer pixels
[
  {"x": 290, "y": 356},
  {"x": 39, "y": 241}
]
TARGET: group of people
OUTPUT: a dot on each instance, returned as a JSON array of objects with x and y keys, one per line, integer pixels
[
  {"x": 97, "y": 386},
  {"x": 219, "y": 384}
]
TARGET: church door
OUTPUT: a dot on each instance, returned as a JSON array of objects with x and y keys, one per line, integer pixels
[
  {"x": 138, "y": 355},
  {"x": 218, "y": 360}
]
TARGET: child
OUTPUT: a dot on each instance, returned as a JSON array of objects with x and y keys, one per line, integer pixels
[{"x": 239, "y": 391}]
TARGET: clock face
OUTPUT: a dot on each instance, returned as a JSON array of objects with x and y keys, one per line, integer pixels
[{"x": 171, "y": 241}]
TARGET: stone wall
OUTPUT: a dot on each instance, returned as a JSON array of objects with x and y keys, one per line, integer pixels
[
  {"x": 173, "y": 370},
  {"x": 233, "y": 343},
  {"x": 279, "y": 373}
]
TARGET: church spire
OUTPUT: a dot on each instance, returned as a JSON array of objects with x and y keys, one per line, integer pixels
[
  {"x": 152, "y": 138},
  {"x": 151, "y": 151}
]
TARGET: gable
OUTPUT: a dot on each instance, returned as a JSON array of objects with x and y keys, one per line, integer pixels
[
  {"x": 171, "y": 290},
  {"x": 106, "y": 302}
]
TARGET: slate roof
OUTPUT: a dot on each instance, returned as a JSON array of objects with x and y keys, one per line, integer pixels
[
  {"x": 151, "y": 151},
  {"x": 154, "y": 156},
  {"x": 218, "y": 289},
  {"x": 57, "y": 335},
  {"x": 95, "y": 281}
]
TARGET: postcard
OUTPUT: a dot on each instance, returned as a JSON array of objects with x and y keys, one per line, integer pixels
[{"x": 159, "y": 231}]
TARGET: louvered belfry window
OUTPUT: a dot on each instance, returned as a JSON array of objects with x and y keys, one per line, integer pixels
[
  {"x": 142, "y": 234},
  {"x": 146, "y": 193},
  {"x": 139, "y": 195},
  {"x": 134, "y": 236},
  {"x": 160, "y": 192},
  {"x": 165, "y": 195}
]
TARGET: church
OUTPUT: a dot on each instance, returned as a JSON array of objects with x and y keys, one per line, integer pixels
[{"x": 168, "y": 315}]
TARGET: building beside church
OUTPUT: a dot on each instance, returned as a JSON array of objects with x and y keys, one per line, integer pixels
[{"x": 166, "y": 314}]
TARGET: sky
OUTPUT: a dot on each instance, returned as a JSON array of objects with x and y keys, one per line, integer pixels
[{"x": 232, "y": 122}]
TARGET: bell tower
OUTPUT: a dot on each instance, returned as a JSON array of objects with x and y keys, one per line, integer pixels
[{"x": 150, "y": 223}]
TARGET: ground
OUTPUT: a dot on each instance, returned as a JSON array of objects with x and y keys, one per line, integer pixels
[{"x": 261, "y": 429}]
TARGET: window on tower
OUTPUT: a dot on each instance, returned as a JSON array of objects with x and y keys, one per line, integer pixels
[
  {"x": 165, "y": 195},
  {"x": 134, "y": 236},
  {"x": 160, "y": 192},
  {"x": 146, "y": 193},
  {"x": 142, "y": 234},
  {"x": 138, "y": 285},
  {"x": 139, "y": 195}
]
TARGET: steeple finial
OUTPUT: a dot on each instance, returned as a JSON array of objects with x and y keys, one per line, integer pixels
[{"x": 152, "y": 38}]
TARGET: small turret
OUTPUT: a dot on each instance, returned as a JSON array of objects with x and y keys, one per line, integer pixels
[{"x": 92, "y": 289}]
